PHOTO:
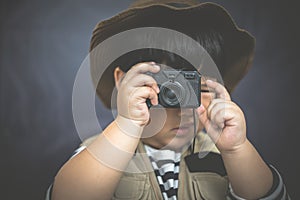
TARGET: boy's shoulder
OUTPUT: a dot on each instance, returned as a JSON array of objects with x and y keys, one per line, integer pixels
[{"x": 86, "y": 142}]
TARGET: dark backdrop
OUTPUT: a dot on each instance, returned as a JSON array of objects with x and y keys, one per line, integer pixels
[{"x": 43, "y": 43}]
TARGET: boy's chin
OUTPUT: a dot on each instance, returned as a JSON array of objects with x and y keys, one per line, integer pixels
[{"x": 178, "y": 144}]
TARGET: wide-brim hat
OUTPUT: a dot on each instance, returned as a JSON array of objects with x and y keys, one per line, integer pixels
[{"x": 185, "y": 16}]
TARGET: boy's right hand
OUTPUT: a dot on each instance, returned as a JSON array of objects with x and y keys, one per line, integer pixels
[{"x": 133, "y": 91}]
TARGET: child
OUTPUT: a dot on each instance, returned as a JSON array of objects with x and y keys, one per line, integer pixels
[{"x": 131, "y": 160}]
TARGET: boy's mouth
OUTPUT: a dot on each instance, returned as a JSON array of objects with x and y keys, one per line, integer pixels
[{"x": 183, "y": 129}]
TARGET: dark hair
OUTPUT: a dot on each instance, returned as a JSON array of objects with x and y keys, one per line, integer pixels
[{"x": 210, "y": 40}]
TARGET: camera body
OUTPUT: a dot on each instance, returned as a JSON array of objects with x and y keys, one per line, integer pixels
[{"x": 178, "y": 89}]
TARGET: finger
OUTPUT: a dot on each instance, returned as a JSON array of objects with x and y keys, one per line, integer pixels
[
  {"x": 209, "y": 126},
  {"x": 143, "y": 80},
  {"x": 218, "y": 116},
  {"x": 142, "y": 68},
  {"x": 223, "y": 112},
  {"x": 202, "y": 114},
  {"x": 212, "y": 104},
  {"x": 137, "y": 107},
  {"x": 219, "y": 89},
  {"x": 144, "y": 93},
  {"x": 153, "y": 97}
]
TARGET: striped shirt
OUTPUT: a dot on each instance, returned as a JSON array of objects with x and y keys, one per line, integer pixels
[{"x": 166, "y": 168}]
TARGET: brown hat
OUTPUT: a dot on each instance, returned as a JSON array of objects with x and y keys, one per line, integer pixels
[{"x": 188, "y": 17}]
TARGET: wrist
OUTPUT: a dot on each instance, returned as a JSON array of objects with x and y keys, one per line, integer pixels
[
  {"x": 237, "y": 149},
  {"x": 129, "y": 127}
]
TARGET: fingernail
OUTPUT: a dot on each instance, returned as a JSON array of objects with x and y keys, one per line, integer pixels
[
  {"x": 156, "y": 66},
  {"x": 158, "y": 90},
  {"x": 209, "y": 81},
  {"x": 201, "y": 109}
]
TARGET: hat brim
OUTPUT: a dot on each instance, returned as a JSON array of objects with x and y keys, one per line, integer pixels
[{"x": 189, "y": 20}]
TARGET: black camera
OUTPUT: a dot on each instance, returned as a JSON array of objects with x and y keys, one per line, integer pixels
[{"x": 178, "y": 89}]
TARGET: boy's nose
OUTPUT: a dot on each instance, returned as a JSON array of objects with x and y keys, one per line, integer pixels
[{"x": 185, "y": 112}]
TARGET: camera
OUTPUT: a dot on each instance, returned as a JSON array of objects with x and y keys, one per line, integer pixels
[{"x": 178, "y": 88}]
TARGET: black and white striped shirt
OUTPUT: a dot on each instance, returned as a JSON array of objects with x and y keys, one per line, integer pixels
[{"x": 166, "y": 168}]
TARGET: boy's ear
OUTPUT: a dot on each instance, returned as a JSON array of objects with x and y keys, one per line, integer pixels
[{"x": 118, "y": 76}]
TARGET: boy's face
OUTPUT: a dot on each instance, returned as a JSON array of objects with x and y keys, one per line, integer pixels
[{"x": 173, "y": 128}]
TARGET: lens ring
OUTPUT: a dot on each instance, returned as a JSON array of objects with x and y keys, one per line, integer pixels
[{"x": 172, "y": 94}]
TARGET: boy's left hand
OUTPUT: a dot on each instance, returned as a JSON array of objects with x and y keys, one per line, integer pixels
[{"x": 223, "y": 120}]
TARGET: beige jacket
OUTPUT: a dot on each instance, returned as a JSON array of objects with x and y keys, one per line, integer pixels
[{"x": 204, "y": 179}]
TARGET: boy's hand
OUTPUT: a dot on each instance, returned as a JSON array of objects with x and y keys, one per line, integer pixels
[
  {"x": 223, "y": 120},
  {"x": 135, "y": 88}
]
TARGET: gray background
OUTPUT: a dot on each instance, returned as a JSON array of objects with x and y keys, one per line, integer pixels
[{"x": 43, "y": 43}]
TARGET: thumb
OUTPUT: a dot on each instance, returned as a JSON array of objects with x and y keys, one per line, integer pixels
[
  {"x": 211, "y": 128},
  {"x": 202, "y": 114}
]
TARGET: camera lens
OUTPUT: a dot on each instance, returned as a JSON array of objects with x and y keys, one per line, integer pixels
[{"x": 172, "y": 94}]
